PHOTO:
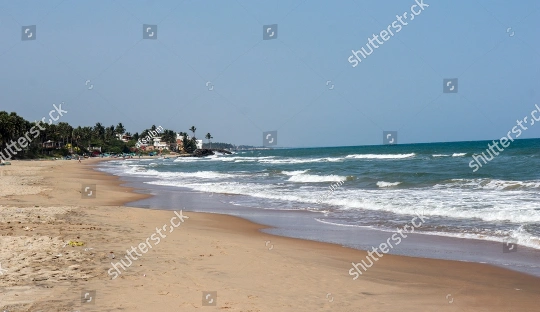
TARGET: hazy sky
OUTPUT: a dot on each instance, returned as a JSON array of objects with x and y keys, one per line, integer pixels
[{"x": 284, "y": 84}]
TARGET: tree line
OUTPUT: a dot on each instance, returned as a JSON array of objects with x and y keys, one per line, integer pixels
[{"x": 67, "y": 139}]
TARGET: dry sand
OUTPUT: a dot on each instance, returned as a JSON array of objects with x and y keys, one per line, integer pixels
[{"x": 42, "y": 210}]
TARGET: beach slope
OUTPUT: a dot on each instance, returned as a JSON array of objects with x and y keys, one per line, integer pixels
[{"x": 58, "y": 247}]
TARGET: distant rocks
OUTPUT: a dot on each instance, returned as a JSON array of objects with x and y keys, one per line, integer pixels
[
  {"x": 202, "y": 152},
  {"x": 219, "y": 150}
]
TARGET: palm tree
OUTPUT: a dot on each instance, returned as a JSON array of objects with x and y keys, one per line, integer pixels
[
  {"x": 6, "y": 129},
  {"x": 120, "y": 129},
  {"x": 64, "y": 131},
  {"x": 109, "y": 133},
  {"x": 77, "y": 135},
  {"x": 193, "y": 129},
  {"x": 168, "y": 136},
  {"x": 99, "y": 131},
  {"x": 86, "y": 135},
  {"x": 209, "y": 137}
]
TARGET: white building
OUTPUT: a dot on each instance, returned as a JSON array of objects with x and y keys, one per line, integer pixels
[
  {"x": 158, "y": 145},
  {"x": 199, "y": 144},
  {"x": 124, "y": 137}
]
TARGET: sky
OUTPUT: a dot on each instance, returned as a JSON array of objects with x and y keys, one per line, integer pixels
[{"x": 211, "y": 68}]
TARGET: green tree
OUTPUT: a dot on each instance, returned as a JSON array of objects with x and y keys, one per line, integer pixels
[
  {"x": 168, "y": 136},
  {"x": 120, "y": 129},
  {"x": 64, "y": 131},
  {"x": 109, "y": 134},
  {"x": 209, "y": 137},
  {"x": 193, "y": 129},
  {"x": 99, "y": 132},
  {"x": 189, "y": 145}
]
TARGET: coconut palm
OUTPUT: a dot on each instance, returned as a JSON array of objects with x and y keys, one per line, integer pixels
[
  {"x": 120, "y": 129},
  {"x": 64, "y": 131},
  {"x": 99, "y": 131},
  {"x": 193, "y": 129},
  {"x": 109, "y": 133},
  {"x": 209, "y": 137}
]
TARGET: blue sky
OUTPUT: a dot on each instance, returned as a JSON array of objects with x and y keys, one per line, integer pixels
[{"x": 282, "y": 84}]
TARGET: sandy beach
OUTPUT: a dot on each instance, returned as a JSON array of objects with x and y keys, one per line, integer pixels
[{"x": 57, "y": 246}]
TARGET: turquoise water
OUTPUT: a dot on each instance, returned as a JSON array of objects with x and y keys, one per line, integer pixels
[{"x": 375, "y": 186}]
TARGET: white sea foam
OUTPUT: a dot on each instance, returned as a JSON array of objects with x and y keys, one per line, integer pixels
[
  {"x": 312, "y": 178},
  {"x": 188, "y": 159},
  {"x": 387, "y": 184},
  {"x": 296, "y": 172},
  {"x": 459, "y": 154},
  {"x": 478, "y": 200},
  {"x": 176, "y": 175},
  {"x": 300, "y": 160},
  {"x": 489, "y": 184},
  {"x": 381, "y": 156},
  {"x": 441, "y": 155},
  {"x": 482, "y": 199},
  {"x": 239, "y": 159}
]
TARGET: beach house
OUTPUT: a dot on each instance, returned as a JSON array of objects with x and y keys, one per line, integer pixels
[
  {"x": 124, "y": 137},
  {"x": 158, "y": 145}
]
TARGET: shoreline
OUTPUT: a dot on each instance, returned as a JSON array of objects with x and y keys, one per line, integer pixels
[
  {"x": 212, "y": 252},
  {"x": 308, "y": 226}
]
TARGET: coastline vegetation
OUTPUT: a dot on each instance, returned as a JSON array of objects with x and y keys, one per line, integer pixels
[{"x": 63, "y": 140}]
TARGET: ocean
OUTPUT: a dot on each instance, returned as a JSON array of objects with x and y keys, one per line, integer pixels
[{"x": 377, "y": 187}]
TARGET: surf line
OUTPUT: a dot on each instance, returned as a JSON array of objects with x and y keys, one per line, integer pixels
[{"x": 332, "y": 188}]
